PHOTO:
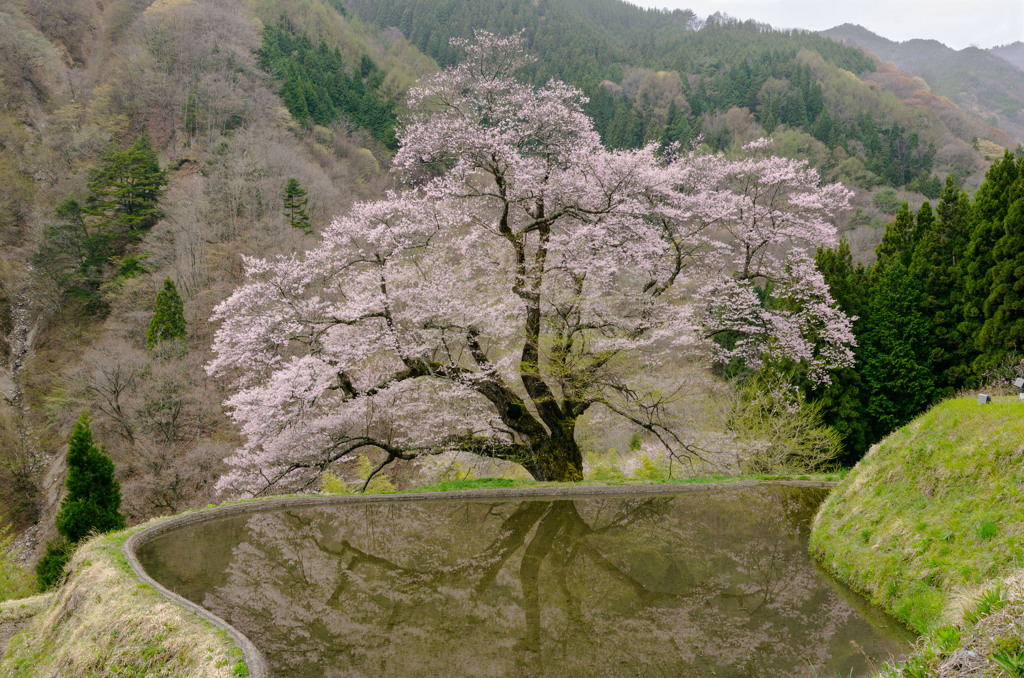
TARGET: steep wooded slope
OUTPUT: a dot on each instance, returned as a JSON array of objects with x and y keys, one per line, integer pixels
[
  {"x": 981, "y": 81},
  {"x": 80, "y": 83}
]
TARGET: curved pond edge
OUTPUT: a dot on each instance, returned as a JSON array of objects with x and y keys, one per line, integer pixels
[{"x": 254, "y": 659}]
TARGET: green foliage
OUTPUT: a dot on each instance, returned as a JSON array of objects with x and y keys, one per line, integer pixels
[
  {"x": 1009, "y": 661},
  {"x": 987, "y": 529},
  {"x": 886, "y": 201},
  {"x": 978, "y": 267},
  {"x": 1003, "y": 309},
  {"x": 331, "y": 483},
  {"x": 898, "y": 240},
  {"x": 83, "y": 248},
  {"x": 603, "y": 466},
  {"x": 842, "y": 402},
  {"x": 471, "y": 484},
  {"x": 934, "y": 265},
  {"x": 897, "y": 378},
  {"x": 319, "y": 88},
  {"x": 94, "y": 495},
  {"x": 15, "y": 580},
  {"x": 380, "y": 484},
  {"x": 947, "y": 638},
  {"x": 294, "y": 199},
  {"x": 168, "y": 320},
  {"x": 723, "y": 64},
  {"x": 126, "y": 189},
  {"x": 923, "y": 492},
  {"x": 50, "y": 568},
  {"x": 986, "y": 603},
  {"x": 648, "y": 469}
]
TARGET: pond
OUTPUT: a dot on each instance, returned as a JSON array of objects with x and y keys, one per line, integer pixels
[{"x": 714, "y": 582}]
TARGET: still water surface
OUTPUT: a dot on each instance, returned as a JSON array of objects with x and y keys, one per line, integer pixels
[{"x": 706, "y": 583}]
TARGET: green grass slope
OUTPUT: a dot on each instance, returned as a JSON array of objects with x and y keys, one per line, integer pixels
[
  {"x": 104, "y": 622},
  {"x": 933, "y": 515}
]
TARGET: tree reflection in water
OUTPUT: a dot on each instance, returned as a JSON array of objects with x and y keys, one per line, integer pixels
[{"x": 707, "y": 581}]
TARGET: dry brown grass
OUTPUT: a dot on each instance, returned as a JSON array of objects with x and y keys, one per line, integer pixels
[{"x": 103, "y": 622}]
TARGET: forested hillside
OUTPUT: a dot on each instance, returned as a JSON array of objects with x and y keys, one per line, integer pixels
[
  {"x": 989, "y": 83},
  {"x": 667, "y": 76},
  {"x": 1014, "y": 53},
  {"x": 941, "y": 309},
  {"x": 146, "y": 147}
]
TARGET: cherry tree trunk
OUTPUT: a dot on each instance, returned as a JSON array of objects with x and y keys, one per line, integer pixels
[{"x": 557, "y": 458}]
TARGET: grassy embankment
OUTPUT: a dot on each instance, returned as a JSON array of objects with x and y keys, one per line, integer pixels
[
  {"x": 930, "y": 526},
  {"x": 103, "y": 622}
]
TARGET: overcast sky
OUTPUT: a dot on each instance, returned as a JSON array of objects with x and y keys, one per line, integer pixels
[{"x": 957, "y": 23}]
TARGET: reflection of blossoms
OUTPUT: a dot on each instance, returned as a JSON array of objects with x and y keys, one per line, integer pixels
[{"x": 662, "y": 586}]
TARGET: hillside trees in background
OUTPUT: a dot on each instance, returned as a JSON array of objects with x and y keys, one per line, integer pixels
[
  {"x": 937, "y": 312},
  {"x": 93, "y": 240},
  {"x": 186, "y": 73},
  {"x": 168, "y": 320},
  {"x": 532, "y": 276},
  {"x": 318, "y": 87},
  {"x": 787, "y": 80}
]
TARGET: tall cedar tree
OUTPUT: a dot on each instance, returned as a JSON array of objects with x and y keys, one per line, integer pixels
[
  {"x": 295, "y": 201},
  {"x": 94, "y": 495},
  {"x": 991, "y": 204},
  {"x": 91, "y": 504},
  {"x": 843, "y": 401},
  {"x": 934, "y": 265},
  {"x": 894, "y": 351},
  {"x": 1003, "y": 328},
  {"x": 168, "y": 315}
]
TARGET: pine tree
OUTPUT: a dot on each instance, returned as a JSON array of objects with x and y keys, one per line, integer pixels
[
  {"x": 91, "y": 504},
  {"x": 977, "y": 268},
  {"x": 1003, "y": 328},
  {"x": 934, "y": 266},
  {"x": 94, "y": 495},
  {"x": 894, "y": 351},
  {"x": 125, "y": 190},
  {"x": 295, "y": 201},
  {"x": 168, "y": 315}
]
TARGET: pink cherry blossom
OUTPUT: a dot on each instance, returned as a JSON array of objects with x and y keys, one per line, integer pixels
[{"x": 525, "y": 276}]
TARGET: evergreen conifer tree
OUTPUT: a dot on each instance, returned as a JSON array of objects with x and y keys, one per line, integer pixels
[
  {"x": 898, "y": 240},
  {"x": 125, "y": 190},
  {"x": 894, "y": 351},
  {"x": 1003, "y": 328},
  {"x": 988, "y": 212},
  {"x": 91, "y": 504},
  {"x": 94, "y": 495},
  {"x": 843, "y": 401},
  {"x": 168, "y": 315},
  {"x": 295, "y": 201},
  {"x": 934, "y": 266}
]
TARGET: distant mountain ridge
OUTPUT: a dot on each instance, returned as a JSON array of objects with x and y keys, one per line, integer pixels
[
  {"x": 1014, "y": 53},
  {"x": 988, "y": 82}
]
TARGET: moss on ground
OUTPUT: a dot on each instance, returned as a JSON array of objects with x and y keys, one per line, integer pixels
[
  {"x": 103, "y": 622},
  {"x": 931, "y": 519}
]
